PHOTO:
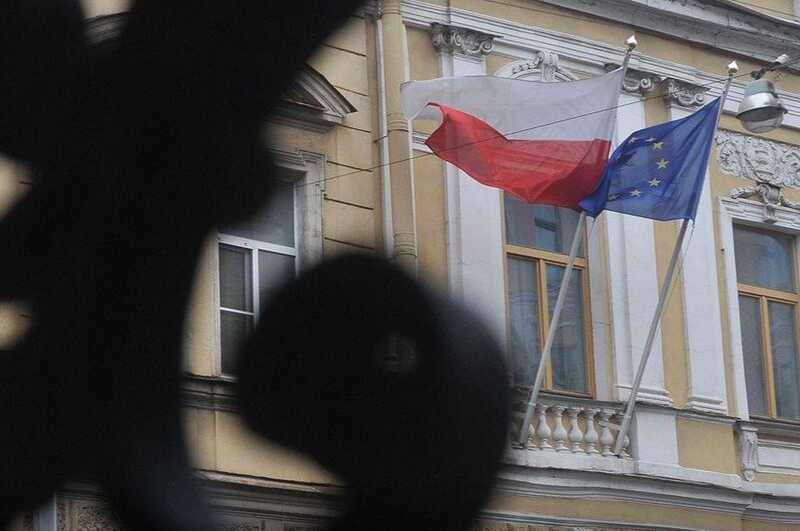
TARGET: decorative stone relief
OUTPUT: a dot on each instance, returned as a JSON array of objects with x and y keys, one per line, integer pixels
[
  {"x": 684, "y": 94},
  {"x": 95, "y": 518},
  {"x": 507, "y": 526},
  {"x": 772, "y": 165},
  {"x": 451, "y": 39},
  {"x": 748, "y": 448},
  {"x": 241, "y": 526},
  {"x": 543, "y": 66},
  {"x": 637, "y": 81},
  {"x": 61, "y": 515}
]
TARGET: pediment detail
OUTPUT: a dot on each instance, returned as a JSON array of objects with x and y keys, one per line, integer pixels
[{"x": 313, "y": 101}]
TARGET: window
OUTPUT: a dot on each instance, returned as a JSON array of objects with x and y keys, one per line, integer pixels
[
  {"x": 537, "y": 245},
  {"x": 767, "y": 288},
  {"x": 255, "y": 257}
]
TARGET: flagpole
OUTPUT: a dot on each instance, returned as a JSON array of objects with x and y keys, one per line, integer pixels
[
  {"x": 662, "y": 297},
  {"x": 562, "y": 295}
]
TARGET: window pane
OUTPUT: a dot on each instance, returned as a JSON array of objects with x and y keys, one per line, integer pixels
[
  {"x": 750, "y": 319},
  {"x": 764, "y": 258},
  {"x": 234, "y": 328},
  {"x": 274, "y": 223},
  {"x": 784, "y": 359},
  {"x": 523, "y": 300},
  {"x": 273, "y": 270},
  {"x": 541, "y": 226},
  {"x": 568, "y": 356},
  {"x": 235, "y": 278}
]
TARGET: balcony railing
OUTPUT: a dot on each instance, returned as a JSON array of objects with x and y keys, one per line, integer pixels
[{"x": 572, "y": 425}]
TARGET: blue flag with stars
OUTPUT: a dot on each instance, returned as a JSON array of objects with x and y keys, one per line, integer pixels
[{"x": 658, "y": 172}]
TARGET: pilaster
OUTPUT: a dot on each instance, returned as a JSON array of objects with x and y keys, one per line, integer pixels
[
  {"x": 700, "y": 286},
  {"x": 398, "y": 137},
  {"x": 476, "y": 269}
]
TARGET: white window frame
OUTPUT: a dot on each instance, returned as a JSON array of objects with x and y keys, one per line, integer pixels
[
  {"x": 309, "y": 189},
  {"x": 754, "y": 214}
]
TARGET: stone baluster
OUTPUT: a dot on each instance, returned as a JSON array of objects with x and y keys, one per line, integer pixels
[
  {"x": 625, "y": 453},
  {"x": 606, "y": 438},
  {"x": 543, "y": 432},
  {"x": 591, "y": 436},
  {"x": 560, "y": 433},
  {"x": 575, "y": 433}
]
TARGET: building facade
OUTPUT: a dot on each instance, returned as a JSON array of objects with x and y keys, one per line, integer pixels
[{"x": 716, "y": 436}]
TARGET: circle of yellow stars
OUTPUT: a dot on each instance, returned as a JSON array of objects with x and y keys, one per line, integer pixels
[{"x": 661, "y": 164}]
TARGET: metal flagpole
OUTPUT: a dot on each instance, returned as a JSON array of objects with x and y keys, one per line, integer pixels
[
  {"x": 562, "y": 295},
  {"x": 662, "y": 297}
]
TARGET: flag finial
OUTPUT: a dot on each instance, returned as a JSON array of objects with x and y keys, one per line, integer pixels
[
  {"x": 631, "y": 42},
  {"x": 733, "y": 68}
]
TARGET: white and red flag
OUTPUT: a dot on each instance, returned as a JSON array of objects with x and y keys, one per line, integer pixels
[{"x": 543, "y": 142}]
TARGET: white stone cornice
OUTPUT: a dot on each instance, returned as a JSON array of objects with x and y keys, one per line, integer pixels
[
  {"x": 677, "y": 487},
  {"x": 586, "y": 55},
  {"x": 721, "y": 24}
]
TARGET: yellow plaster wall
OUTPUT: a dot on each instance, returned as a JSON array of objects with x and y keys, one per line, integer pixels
[
  {"x": 240, "y": 451},
  {"x": 430, "y": 208},
  {"x": 773, "y": 8},
  {"x": 673, "y": 341},
  {"x": 622, "y": 512},
  {"x": 422, "y": 57},
  {"x": 200, "y": 337},
  {"x": 95, "y": 8},
  {"x": 14, "y": 315},
  {"x": 785, "y": 479},
  {"x": 760, "y": 525},
  {"x": 496, "y": 61},
  {"x": 707, "y": 446},
  {"x": 423, "y": 64}
]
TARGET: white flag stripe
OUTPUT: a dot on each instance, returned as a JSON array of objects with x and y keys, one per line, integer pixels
[{"x": 520, "y": 109}]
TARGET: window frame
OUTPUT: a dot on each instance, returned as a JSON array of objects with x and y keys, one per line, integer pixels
[
  {"x": 307, "y": 171},
  {"x": 542, "y": 258},
  {"x": 764, "y": 296},
  {"x": 758, "y": 215}
]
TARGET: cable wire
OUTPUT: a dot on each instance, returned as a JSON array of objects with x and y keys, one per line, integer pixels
[{"x": 502, "y": 135}]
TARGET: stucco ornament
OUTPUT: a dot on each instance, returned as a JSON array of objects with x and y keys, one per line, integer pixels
[
  {"x": 684, "y": 94},
  {"x": 748, "y": 446},
  {"x": 95, "y": 518},
  {"x": 636, "y": 81},
  {"x": 452, "y": 39},
  {"x": 772, "y": 165}
]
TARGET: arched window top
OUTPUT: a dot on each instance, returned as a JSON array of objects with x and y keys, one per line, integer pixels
[{"x": 543, "y": 67}]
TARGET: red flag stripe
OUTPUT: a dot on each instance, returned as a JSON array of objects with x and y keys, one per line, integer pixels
[{"x": 552, "y": 172}]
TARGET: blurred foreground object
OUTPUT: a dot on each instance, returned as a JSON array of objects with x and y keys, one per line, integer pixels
[{"x": 139, "y": 149}]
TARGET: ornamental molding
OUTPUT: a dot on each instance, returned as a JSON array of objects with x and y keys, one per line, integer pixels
[
  {"x": 453, "y": 39},
  {"x": 95, "y": 518},
  {"x": 543, "y": 66},
  {"x": 589, "y": 56},
  {"x": 723, "y": 24},
  {"x": 771, "y": 165},
  {"x": 636, "y": 81},
  {"x": 748, "y": 450},
  {"x": 683, "y": 93}
]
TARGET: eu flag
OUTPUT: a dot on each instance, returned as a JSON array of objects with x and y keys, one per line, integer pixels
[{"x": 658, "y": 172}]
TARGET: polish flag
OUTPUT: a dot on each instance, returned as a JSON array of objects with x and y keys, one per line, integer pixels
[{"x": 544, "y": 142}]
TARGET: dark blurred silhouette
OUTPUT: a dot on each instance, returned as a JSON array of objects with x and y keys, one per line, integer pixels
[{"x": 139, "y": 148}]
